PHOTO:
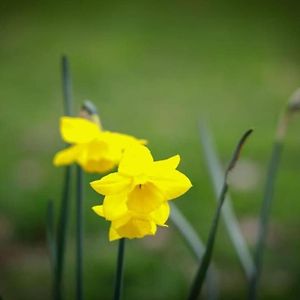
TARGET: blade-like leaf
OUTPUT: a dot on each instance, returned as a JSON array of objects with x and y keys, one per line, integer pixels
[
  {"x": 197, "y": 247},
  {"x": 201, "y": 274},
  {"x": 230, "y": 219},
  {"x": 292, "y": 107}
]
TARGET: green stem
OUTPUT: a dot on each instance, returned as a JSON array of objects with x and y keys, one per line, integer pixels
[
  {"x": 62, "y": 230},
  {"x": 67, "y": 86},
  {"x": 201, "y": 273},
  {"x": 119, "y": 271},
  {"x": 292, "y": 107},
  {"x": 51, "y": 240},
  {"x": 264, "y": 217},
  {"x": 79, "y": 233},
  {"x": 65, "y": 201}
]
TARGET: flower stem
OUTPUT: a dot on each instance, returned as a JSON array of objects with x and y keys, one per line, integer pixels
[
  {"x": 67, "y": 86},
  {"x": 79, "y": 232},
  {"x": 65, "y": 201},
  {"x": 264, "y": 218},
  {"x": 119, "y": 271},
  {"x": 201, "y": 274},
  {"x": 292, "y": 107},
  {"x": 51, "y": 242}
]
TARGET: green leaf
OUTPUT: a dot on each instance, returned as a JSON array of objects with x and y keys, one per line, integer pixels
[
  {"x": 228, "y": 214},
  {"x": 201, "y": 273}
]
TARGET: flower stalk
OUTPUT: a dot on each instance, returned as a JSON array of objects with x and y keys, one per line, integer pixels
[
  {"x": 66, "y": 191},
  {"x": 79, "y": 233},
  {"x": 67, "y": 87},
  {"x": 292, "y": 107},
  {"x": 50, "y": 230},
  {"x": 201, "y": 273},
  {"x": 120, "y": 270}
]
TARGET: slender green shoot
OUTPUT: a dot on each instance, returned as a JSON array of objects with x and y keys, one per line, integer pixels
[
  {"x": 67, "y": 86},
  {"x": 50, "y": 227},
  {"x": 79, "y": 233},
  {"x": 120, "y": 270},
  {"x": 201, "y": 273},
  {"x": 187, "y": 231},
  {"x": 66, "y": 191},
  {"x": 230, "y": 219},
  {"x": 292, "y": 107}
]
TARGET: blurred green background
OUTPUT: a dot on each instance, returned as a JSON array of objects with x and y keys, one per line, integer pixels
[{"x": 153, "y": 68}]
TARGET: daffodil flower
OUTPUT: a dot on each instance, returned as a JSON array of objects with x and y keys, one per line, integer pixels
[
  {"x": 92, "y": 148},
  {"x": 136, "y": 197}
]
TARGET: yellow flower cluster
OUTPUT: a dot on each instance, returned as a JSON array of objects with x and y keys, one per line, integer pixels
[
  {"x": 92, "y": 148},
  {"x": 137, "y": 195}
]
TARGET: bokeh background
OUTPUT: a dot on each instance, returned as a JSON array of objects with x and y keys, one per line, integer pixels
[{"x": 153, "y": 68}]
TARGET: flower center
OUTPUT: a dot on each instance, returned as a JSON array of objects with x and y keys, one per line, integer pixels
[{"x": 144, "y": 198}]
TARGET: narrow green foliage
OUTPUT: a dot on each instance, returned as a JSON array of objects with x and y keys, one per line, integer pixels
[
  {"x": 187, "y": 231},
  {"x": 230, "y": 219},
  {"x": 264, "y": 217},
  {"x": 201, "y": 273},
  {"x": 197, "y": 247},
  {"x": 293, "y": 107},
  {"x": 120, "y": 270}
]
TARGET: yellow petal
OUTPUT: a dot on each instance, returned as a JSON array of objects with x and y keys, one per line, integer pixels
[
  {"x": 172, "y": 184},
  {"x": 136, "y": 228},
  {"x": 144, "y": 198},
  {"x": 113, "y": 235},
  {"x": 78, "y": 130},
  {"x": 96, "y": 149},
  {"x": 98, "y": 209},
  {"x": 121, "y": 140},
  {"x": 66, "y": 156},
  {"x": 114, "y": 206},
  {"x": 94, "y": 157},
  {"x": 113, "y": 183},
  {"x": 98, "y": 166},
  {"x": 166, "y": 164},
  {"x": 161, "y": 215},
  {"x": 135, "y": 161}
]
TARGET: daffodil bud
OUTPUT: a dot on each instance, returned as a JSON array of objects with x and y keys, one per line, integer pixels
[
  {"x": 294, "y": 103},
  {"x": 89, "y": 111}
]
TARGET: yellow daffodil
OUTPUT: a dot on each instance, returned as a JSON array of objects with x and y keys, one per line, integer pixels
[
  {"x": 92, "y": 148},
  {"x": 136, "y": 196}
]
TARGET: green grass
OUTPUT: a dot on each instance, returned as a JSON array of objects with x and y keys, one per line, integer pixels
[{"x": 153, "y": 68}]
